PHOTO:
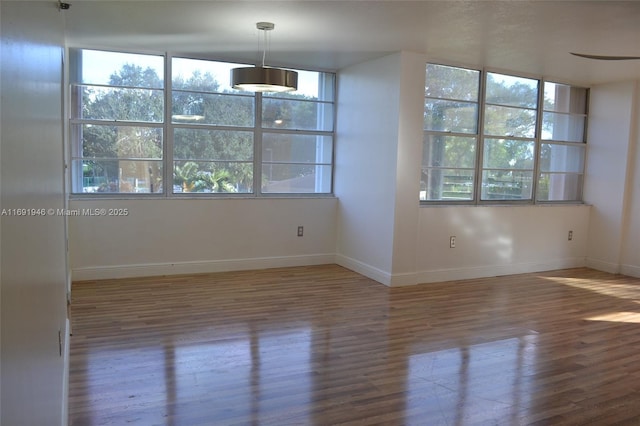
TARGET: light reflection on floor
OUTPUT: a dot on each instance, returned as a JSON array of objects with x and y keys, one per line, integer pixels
[{"x": 490, "y": 377}]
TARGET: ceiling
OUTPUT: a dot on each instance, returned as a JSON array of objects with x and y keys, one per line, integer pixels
[{"x": 531, "y": 37}]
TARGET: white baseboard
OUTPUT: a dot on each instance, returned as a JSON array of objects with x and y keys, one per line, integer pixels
[
  {"x": 496, "y": 270},
  {"x": 630, "y": 270},
  {"x": 601, "y": 265},
  {"x": 454, "y": 274},
  {"x": 64, "y": 421},
  {"x": 197, "y": 267},
  {"x": 364, "y": 269}
]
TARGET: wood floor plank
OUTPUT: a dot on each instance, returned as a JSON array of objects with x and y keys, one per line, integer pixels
[{"x": 321, "y": 345}]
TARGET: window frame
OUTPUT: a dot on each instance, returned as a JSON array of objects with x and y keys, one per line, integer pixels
[
  {"x": 168, "y": 128},
  {"x": 537, "y": 140}
]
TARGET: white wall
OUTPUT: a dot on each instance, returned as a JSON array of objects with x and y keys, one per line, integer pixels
[
  {"x": 609, "y": 164},
  {"x": 365, "y": 171},
  {"x": 383, "y": 231},
  {"x": 409, "y": 163},
  {"x": 195, "y": 236},
  {"x": 499, "y": 240},
  {"x": 630, "y": 256},
  {"x": 33, "y": 285}
]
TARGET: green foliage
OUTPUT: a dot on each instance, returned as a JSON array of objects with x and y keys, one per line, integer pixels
[
  {"x": 207, "y": 159},
  {"x": 451, "y": 106}
]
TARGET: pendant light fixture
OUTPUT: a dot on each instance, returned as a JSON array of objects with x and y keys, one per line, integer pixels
[{"x": 261, "y": 78}]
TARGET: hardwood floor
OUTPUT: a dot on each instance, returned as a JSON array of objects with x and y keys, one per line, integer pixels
[{"x": 322, "y": 345}]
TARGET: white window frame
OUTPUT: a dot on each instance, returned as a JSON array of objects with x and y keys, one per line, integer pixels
[
  {"x": 537, "y": 139},
  {"x": 168, "y": 140}
]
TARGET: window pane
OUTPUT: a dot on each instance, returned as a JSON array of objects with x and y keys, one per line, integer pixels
[
  {"x": 506, "y": 185},
  {"x": 563, "y": 127},
  {"x": 510, "y": 90},
  {"x": 295, "y": 114},
  {"x": 509, "y": 121},
  {"x": 508, "y": 154},
  {"x": 287, "y": 148},
  {"x": 210, "y": 177},
  {"x": 451, "y": 83},
  {"x": 117, "y": 69},
  {"x": 450, "y": 116},
  {"x": 200, "y": 144},
  {"x": 202, "y": 75},
  {"x": 446, "y": 184},
  {"x": 449, "y": 151},
  {"x": 559, "y": 187},
  {"x": 312, "y": 85},
  {"x": 100, "y": 141},
  {"x": 296, "y": 178},
  {"x": 104, "y": 103},
  {"x": 119, "y": 176},
  {"x": 222, "y": 110},
  {"x": 562, "y": 158},
  {"x": 564, "y": 98}
]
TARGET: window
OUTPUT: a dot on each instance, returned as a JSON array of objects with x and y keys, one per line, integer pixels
[
  {"x": 510, "y": 111},
  {"x": 117, "y": 123},
  {"x": 207, "y": 139},
  {"x": 451, "y": 133},
  {"x": 514, "y": 145},
  {"x": 562, "y": 151}
]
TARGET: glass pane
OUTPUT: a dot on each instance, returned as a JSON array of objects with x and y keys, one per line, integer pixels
[
  {"x": 451, "y": 83},
  {"x": 212, "y": 177},
  {"x": 562, "y": 158},
  {"x": 559, "y": 187},
  {"x": 200, "y": 144},
  {"x": 296, "y": 178},
  {"x": 294, "y": 114},
  {"x": 203, "y": 76},
  {"x": 449, "y": 151},
  {"x": 508, "y": 154},
  {"x": 508, "y": 121},
  {"x": 104, "y": 103},
  {"x": 119, "y": 176},
  {"x": 117, "y": 69},
  {"x": 563, "y": 127},
  {"x": 513, "y": 91},
  {"x": 100, "y": 141},
  {"x": 446, "y": 184},
  {"x": 223, "y": 110},
  {"x": 506, "y": 185},
  {"x": 287, "y": 148},
  {"x": 312, "y": 85},
  {"x": 564, "y": 98},
  {"x": 450, "y": 116}
]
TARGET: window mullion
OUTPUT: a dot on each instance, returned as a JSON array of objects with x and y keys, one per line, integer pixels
[
  {"x": 537, "y": 143},
  {"x": 168, "y": 130},
  {"x": 257, "y": 146},
  {"x": 480, "y": 148}
]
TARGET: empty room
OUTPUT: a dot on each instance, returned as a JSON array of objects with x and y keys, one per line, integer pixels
[{"x": 320, "y": 212}]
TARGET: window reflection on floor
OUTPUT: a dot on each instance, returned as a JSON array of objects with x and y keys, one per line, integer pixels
[{"x": 452, "y": 385}]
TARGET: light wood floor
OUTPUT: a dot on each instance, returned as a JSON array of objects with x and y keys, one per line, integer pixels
[{"x": 324, "y": 346}]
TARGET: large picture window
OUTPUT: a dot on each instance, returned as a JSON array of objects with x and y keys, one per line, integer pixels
[
  {"x": 522, "y": 141},
  {"x": 136, "y": 132}
]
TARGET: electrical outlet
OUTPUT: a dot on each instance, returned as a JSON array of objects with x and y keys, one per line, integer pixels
[
  {"x": 300, "y": 231},
  {"x": 452, "y": 241},
  {"x": 570, "y": 236}
]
